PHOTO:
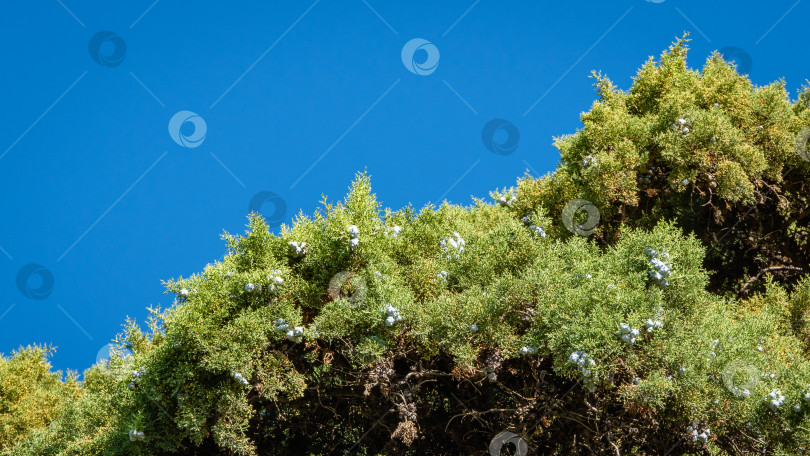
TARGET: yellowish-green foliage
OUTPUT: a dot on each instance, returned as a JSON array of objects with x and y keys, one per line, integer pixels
[
  {"x": 706, "y": 149},
  {"x": 738, "y": 131},
  {"x": 223, "y": 369},
  {"x": 553, "y": 295},
  {"x": 30, "y": 394}
]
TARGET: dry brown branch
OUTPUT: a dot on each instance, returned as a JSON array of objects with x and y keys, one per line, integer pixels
[{"x": 769, "y": 269}]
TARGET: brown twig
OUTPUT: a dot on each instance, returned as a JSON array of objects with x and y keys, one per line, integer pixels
[
  {"x": 770, "y": 269},
  {"x": 515, "y": 311}
]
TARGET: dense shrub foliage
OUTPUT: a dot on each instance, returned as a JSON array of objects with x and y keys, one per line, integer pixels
[
  {"x": 30, "y": 394},
  {"x": 362, "y": 330},
  {"x": 706, "y": 149}
]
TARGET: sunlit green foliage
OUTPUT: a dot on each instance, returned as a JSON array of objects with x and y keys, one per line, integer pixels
[{"x": 490, "y": 295}]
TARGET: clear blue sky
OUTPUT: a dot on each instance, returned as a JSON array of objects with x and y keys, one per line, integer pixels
[{"x": 296, "y": 97}]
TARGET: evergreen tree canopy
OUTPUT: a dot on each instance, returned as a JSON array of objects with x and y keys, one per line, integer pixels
[{"x": 677, "y": 323}]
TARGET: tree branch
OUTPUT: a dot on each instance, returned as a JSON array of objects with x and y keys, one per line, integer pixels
[{"x": 770, "y": 269}]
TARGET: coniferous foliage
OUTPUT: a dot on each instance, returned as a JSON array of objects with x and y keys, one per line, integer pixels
[
  {"x": 724, "y": 159},
  {"x": 362, "y": 330},
  {"x": 30, "y": 394}
]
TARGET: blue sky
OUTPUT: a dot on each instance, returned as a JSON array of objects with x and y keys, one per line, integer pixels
[{"x": 294, "y": 98}]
